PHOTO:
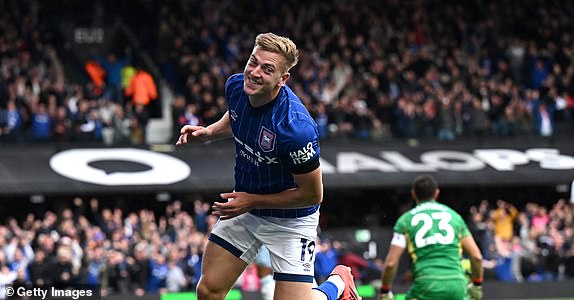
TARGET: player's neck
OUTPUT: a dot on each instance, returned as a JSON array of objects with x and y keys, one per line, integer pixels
[
  {"x": 260, "y": 100},
  {"x": 425, "y": 201}
]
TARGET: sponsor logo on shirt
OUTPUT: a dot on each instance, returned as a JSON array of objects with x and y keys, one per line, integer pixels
[
  {"x": 253, "y": 156},
  {"x": 233, "y": 115},
  {"x": 303, "y": 155}
]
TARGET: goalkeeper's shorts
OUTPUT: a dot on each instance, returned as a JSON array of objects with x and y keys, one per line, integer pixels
[{"x": 451, "y": 289}]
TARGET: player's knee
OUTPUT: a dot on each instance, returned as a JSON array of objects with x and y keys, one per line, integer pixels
[{"x": 207, "y": 290}]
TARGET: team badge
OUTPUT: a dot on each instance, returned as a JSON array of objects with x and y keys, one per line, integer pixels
[{"x": 266, "y": 139}]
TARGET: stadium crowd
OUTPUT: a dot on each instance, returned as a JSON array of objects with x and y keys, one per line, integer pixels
[
  {"x": 409, "y": 69},
  {"x": 136, "y": 252},
  {"x": 147, "y": 251},
  {"x": 369, "y": 70},
  {"x": 533, "y": 244},
  {"x": 39, "y": 104}
]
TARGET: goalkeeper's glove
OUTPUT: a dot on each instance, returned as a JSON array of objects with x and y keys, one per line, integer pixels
[
  {"x": 474, "y": 291},
  {"x": 386, "y": 294}
]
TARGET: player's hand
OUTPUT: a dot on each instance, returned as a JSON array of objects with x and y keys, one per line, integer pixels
[
  {"x": 240, "y": 204},
  {"x": 190, "y": 133},
  {"x": 474, "y": 292},
  {"x": 387, "y": 296}
]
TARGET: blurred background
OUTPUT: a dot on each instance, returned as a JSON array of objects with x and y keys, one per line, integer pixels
[{"x": 480, "y": 94}]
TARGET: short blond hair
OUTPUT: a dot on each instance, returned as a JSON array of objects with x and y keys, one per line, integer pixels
[{"x": 280, "y": 45}]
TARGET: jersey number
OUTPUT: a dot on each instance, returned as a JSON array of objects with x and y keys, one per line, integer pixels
[
  {"x": 445, "y": 237},
  {"x": 307, "y": 248}
]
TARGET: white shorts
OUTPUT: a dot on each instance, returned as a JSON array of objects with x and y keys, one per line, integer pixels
[{"x": 290, "y": 241}]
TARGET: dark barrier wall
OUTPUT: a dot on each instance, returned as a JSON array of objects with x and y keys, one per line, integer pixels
[{"x": 51, "y": 170}]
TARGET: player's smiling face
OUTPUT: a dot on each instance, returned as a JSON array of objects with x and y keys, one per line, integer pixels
[{"x": 264, "y": 75}]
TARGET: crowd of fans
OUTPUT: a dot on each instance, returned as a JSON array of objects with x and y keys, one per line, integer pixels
[
  {"x": 37, "y": 102},
  {"x": 388, "y": 69},
  {"x": 147, "y": 251},
  {"x": 124, "y": 253},
  {"x": 409, "y": 69},
  {"x": 534, "y": 244}
]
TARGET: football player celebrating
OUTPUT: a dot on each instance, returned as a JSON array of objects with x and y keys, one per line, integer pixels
[{"x": 278, "y": 182}]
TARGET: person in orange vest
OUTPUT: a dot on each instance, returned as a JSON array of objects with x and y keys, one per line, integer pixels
[
  {"x": 142, "y": 88},
  {"x": 97, "y": 74}
]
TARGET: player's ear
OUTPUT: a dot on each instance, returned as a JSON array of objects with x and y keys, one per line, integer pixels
[
  {"x": 284, "y": 78},
  {"x": 414, "y": 195},
  {"x": 436, "y": 192}
]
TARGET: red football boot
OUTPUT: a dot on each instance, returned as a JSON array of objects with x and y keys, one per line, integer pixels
[{"x": 350, "y": 292}]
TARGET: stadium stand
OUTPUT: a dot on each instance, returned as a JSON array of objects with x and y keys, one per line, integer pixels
[{"x": 371, "y": 71}]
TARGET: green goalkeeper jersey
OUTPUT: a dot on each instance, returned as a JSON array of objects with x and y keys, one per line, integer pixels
[{"x": 433, "y": 232}]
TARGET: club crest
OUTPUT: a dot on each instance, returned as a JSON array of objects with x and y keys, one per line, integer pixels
[{"x": 266, "y": 139}]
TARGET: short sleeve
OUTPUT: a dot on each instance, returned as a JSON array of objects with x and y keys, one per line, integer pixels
[
  {"x": 301, "y": 146},
  {"x": 463, "y": 228},
  {"x": 233, "y": 85},
  {"x": 400, "y": 225}
]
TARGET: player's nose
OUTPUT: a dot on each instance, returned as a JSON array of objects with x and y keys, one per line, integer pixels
[{"x": 256, "y": 72}]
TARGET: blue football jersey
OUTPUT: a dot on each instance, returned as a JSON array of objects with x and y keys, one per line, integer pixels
[{"x": 272, "y": 143}]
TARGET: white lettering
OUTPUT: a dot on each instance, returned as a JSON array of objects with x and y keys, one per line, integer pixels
[
  {"x": 327, "y": 167},
  {"x": 452, "y": 161},
  {"x": 352, "y": 162},
  {"x": 551, "y": 159},
  {"x": 303, "y": 155},
  {"x": 405, "y": 164},
  {"x": 502, "y": 159}
]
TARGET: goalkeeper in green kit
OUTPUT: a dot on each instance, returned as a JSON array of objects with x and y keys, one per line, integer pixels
[{"x": 434, "y": 235}]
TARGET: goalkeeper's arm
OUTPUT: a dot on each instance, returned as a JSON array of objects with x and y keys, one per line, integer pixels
[
  {"x": 471, "y": 249},
  {"x": 391, "y": 265}
]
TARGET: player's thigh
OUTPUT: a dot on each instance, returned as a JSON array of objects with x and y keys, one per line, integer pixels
[
  {"x": 291, "y": 243},
  {"x": 288, "y": 290},
  {"x": 220, "y": 268}
]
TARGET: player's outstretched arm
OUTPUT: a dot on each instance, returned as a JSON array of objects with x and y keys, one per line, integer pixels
[
  {"x": 471, "y": 249},
  {"x": 218, "y": 130},
  {"x": 391, "y": 266}
]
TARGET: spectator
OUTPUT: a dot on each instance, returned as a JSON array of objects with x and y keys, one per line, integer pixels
[
  {"x": 175, "y": 279},
  {"x": 113, "y": 71},
  {"x": 40, "y": 269},
  {"x": 142, "y": 88},
  {"x": 41, "y": 124},
  {"x": 503, "y": 219},
  {"x": 158, "y": 274},
  {"x": 63, "y": 273},
  {"x": 349, "y": 258},
  {"x": 117, "y": 271},
  {"x": 139, "y": 268},
  {"x": 326, "y": 258}
]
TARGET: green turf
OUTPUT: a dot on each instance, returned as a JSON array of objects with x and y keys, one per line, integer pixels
[
  {"x": 366, "y": 291},
  {"x": 540, "y": 299},
  {"x": 233, "y": 295}
]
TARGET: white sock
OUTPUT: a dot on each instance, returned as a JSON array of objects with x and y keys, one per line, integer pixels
[
  {"x": 267, "y": 287},
  {"x": 338, "y": 281}
]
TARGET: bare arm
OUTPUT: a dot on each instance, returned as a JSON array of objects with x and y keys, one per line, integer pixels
[
  {"x": 392, "y": 264},
  {"x": 309, "y": 192},
  {"x": 218, "y": 130},
  {"x": 471, "y": 249}
]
